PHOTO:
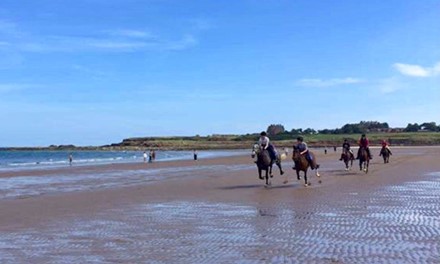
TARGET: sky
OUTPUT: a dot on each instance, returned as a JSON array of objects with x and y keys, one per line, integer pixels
[{"x": 93, "y": 72}]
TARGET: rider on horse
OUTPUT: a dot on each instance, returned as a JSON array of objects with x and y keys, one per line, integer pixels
[
  {"x": 385, "y": 146},
  {"x": 346, "y": 149},
  {"x": 304, "y": 150},
  {"x": 364, "y": 143},
  {"x": 264, "y": 143}
]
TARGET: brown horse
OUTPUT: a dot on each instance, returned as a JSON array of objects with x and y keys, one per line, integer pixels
[
  {"x": 265, "y": 162},
  {"x": 347, "y": 158},
  {"x": 364, "y": 160},
  {"x": 385, "y": 153},
  {"x": 302, "y": 164}
]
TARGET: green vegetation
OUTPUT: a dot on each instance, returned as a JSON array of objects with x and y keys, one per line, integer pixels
[{"x": 413, "y": 134}]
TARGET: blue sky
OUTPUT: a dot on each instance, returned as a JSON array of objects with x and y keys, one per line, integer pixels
[{"x": 92, "y": 72}]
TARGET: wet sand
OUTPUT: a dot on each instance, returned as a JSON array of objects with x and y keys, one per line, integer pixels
[{"x": 217, "y": 211}]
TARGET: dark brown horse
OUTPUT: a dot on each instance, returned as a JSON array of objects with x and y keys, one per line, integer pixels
[
  {"x": 364, "y": 160},
  {"x": 302, "y": 164},
  {"x": 347, "y": 158},
  {"x": 265, "y": 162},
  {"x": 385, "y": 153}
]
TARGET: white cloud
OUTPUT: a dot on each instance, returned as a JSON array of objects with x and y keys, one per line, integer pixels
[
  {"x": 389, "y": 85},
  {"x": 131, "y": 33},
  {"x": 187, "y": 41},
  {"x": 12, "y": 87},
  {"x": 115, "y": 40},
  {"x": 417, "y": 70},
  {"x": 79, "y": 44},
  {"x": 328, "y": 82}
]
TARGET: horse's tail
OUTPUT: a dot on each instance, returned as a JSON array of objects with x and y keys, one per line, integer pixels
[{"x": 313, "y": 163}]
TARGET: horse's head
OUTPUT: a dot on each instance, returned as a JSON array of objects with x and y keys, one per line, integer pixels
[
  {"x": 263, "y": 157},
  {"x": 296, "y": 153}
]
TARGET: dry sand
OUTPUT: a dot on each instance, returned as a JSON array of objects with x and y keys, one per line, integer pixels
[{"x": 217, "y": 211}]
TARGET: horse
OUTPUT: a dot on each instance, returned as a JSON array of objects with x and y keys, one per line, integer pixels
[
  {"x": 364, "y": 160},
  {"x": 265, "y": 162},
  {"x": 347, "y": 158},
  {"x": 302, "y": 164},
  {"x": 385, "y": 153}
]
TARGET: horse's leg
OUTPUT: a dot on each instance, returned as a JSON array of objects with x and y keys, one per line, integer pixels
[
  {"x": 270, "y": 170},
  {"x": 306, "y": 183},
  {"x": 267, "y": 176},
  {"x": 278, "y": 163},
  {"x": 259, "y": 174},
  {"x": 297, "y": 175}
]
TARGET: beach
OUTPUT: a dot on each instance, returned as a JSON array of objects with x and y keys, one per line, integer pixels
[{"x": 216, "y": 210}]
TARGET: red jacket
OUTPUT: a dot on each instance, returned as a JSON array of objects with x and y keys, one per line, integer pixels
[{"x": 364, "y": 142}]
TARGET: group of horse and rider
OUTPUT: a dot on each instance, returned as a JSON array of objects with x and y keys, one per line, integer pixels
[
  {"x": 267, "y": 155},
  {"x": 303, "y": 158}
]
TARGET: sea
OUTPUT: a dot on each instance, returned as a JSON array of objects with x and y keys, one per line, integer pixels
[{"x": 42, "y": 159}]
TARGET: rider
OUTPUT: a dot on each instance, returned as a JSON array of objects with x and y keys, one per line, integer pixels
[
  {"x": 264, "y": 143},
  {"x": 363, "y": 142},
  {"x": 304, "y": 150},
  {"x": 346, "y": 148},
  {"x": 386, "y": 146}
]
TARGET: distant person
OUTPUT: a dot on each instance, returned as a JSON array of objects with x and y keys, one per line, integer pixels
[
  {"x": 386, "y": 146},
  {"x": 334, "y": 148},
  {"x": 325, "y": 150},
  {"x": 364, "y": 143},
  {"x": 145, "y": 156},
  {"x": 346, "y": 148},
  {"x": 150, "y": 156},
  {"x": 70, "y": 159},
  {"x": 154, "y": 154},
  {"x": 195, "y": 154}
]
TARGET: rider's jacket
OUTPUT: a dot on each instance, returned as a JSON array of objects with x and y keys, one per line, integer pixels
[
  {"x": 364, "y": 142},
  {"x": 346, "y": 146},
  {"x": 264, "y": 141},
  {"x": 302, "y": 146}
]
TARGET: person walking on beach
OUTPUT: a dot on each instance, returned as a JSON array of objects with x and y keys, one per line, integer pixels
[
  {"x": 154, "y": 154},
  {"x": 145, "y": 156},
  {"x": 286, "y": 151},
  {"x": 150, "y": 156},
  {"x": 70, "y": 159},
  {"x": 195, "y": 154}
]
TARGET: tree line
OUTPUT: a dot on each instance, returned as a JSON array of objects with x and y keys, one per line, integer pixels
[{"x": 356, "y": 128}]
